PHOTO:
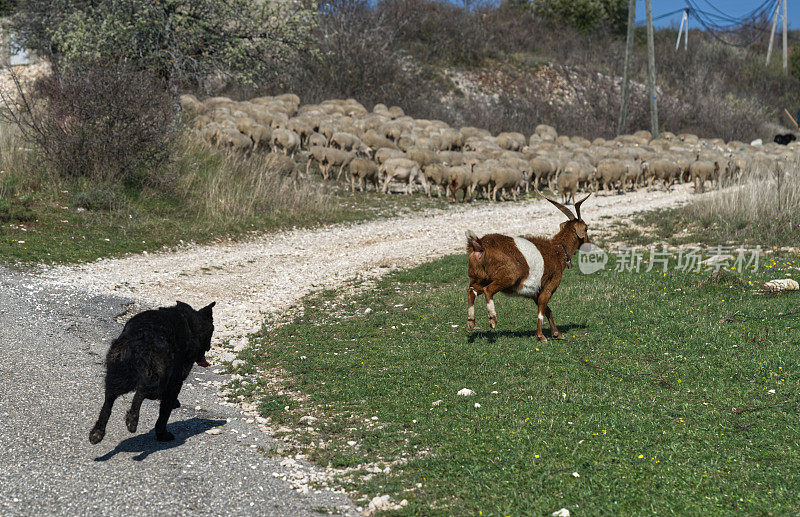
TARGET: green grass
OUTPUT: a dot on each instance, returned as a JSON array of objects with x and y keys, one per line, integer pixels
[
  {"x": 658, "y": 405},
  {"x": 53, "y": 230}
]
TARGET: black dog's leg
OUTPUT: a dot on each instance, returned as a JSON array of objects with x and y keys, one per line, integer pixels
[
  {"x": 99, "y": 430},
  {"x": 162, "y": 435},
  {"x": 132, "y": 418},
  {"x": 168, "y": 403},
  {"x": 177, "y": 404}
]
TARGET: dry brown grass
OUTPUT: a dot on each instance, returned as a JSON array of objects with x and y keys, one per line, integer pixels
[
  {"x": 762, "y": 207},
  {"x": 229, "y": 188}
]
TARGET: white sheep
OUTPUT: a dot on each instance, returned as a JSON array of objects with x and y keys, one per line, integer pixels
[
  {"x": 402, "y": 169},
  {"x": 286, "y": 140}
]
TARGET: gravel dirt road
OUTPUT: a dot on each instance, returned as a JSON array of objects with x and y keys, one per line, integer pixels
[
  {"x": 53, "y": 342},
  {"x": 55, "y": 326}
]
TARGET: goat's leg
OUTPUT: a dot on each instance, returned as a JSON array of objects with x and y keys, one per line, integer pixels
[
  {"x": 472, "y": 292},
  {"x": 544, "y": 297},
  {"x": 489, "y": 291},
  {"x": 553, "y": 329}
]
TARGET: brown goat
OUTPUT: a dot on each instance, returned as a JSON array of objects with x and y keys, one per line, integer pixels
[{"x": 523, "y": 266}]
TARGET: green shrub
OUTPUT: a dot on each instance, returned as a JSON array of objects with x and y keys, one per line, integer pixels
[
  {"x": 96, "y": 119},
  {"x": 586, "y": 15}
]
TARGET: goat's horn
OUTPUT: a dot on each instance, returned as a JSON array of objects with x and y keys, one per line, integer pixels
[
  {"x": 578, "y": 205},
  {"x": 558, "y": 205}
]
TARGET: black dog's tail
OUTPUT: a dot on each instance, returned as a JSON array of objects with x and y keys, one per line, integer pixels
[{"x": 121, "y": 375}]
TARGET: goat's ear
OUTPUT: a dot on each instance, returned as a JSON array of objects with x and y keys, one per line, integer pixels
[
  {"x": 580, "y": 230},
  {"x": 561, "y": 226}
]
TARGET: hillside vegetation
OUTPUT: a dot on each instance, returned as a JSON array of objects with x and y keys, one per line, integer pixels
[{"x": 506, "y": 68}]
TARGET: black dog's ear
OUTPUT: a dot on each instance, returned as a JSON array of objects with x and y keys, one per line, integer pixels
[
  {"x": 182, "y": 304},
  {"x": 206, "y": 311}
]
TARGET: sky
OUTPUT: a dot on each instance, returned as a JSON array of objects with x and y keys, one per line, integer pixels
[{"x": 734, "y": 8}]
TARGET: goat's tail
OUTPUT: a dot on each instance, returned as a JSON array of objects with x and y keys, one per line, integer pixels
[{"x": 474, "y": 244}]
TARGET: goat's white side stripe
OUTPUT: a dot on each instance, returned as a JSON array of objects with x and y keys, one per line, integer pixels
[{"x": 531, "y": 285}]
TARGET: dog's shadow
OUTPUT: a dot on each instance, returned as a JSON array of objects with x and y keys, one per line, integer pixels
[
  {"x": 492, "y": 335},
  {"x": 146, "y": 444}
]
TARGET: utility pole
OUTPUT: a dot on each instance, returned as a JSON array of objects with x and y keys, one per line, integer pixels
[
  {"x": 684, "y": 30},
  {"x": 785, "y": 56},
  {"x": 626, "y": 82},
  {"x": 651, "y": 71},
  {"x": 772, "y": 33},
  {"x": 680, "y": 31}
]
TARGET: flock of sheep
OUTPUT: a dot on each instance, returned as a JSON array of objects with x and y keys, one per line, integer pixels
[{"x": 384, "y": 145}]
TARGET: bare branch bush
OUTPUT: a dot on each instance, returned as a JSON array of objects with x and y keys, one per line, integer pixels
[{"x": 95, "y": 119}]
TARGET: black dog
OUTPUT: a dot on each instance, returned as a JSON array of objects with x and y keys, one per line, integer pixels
[
  {"x": 153, "y": 356},
  {"x": 786, "y": 139}
]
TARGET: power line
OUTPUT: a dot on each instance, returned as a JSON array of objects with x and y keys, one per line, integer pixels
[
  {"x": 714, "y": 23},
  {"x": 662, "y": 16},
  {"x": 725, "y": 23},
  {"x": 738, "y": 21}
]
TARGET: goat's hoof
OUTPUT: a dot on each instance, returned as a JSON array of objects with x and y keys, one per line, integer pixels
[
  {"x": 493, "y": 323},
  {"x": 470, "y": 324},
  {"x": 558, "y": 336},
  {"x": 542, "y": 339}
]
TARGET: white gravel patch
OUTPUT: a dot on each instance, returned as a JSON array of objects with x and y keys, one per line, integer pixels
[{"x": 273, "y": 272}]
